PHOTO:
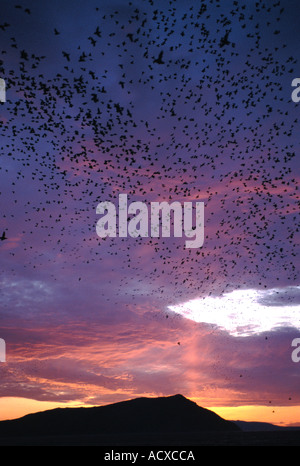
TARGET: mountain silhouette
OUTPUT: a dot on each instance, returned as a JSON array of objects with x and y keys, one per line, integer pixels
[
  {"x": 252, "y": 426},
  {"x": 172, "y": 414}
]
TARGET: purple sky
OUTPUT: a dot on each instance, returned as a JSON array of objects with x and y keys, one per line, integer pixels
[{"x": 90, "y": 114}]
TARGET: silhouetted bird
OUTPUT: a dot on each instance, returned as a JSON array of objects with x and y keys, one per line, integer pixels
[{"x": 159, "y": 59}]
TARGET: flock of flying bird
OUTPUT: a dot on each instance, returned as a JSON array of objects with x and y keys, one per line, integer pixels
[{"x": 160, "y": 100}]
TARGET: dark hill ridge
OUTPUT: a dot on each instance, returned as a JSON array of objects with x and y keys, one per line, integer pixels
[
  {"x": 172, "y": 414},
  {"x": 250, "y": 426}
]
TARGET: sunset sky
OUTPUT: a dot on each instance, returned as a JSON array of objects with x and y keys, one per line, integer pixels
[{"x": 162, "y": 101}]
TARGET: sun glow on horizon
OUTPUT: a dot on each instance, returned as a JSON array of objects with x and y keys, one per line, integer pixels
[
  {"x": 283, "y": 416},
  {"x": 13, "y": 407}
]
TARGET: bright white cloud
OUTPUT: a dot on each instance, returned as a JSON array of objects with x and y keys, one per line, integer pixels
[{"x": 245, "y": 312}]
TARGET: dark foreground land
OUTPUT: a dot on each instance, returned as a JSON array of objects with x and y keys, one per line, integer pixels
[
  {"x": 166, "y": 441},
  {"x": 174, "y": 421}
]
